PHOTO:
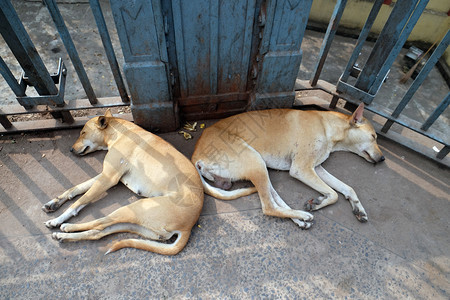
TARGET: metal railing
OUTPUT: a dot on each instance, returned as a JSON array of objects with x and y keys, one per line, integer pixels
[
  {"x": 51, "y": 96},
  {"x": 401, "y": 21},
  {"x": 367, "y": 83}
]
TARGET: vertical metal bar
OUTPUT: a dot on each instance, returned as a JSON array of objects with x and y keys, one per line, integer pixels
[
  {"x": 398, "y": 46},
  {"x": 71, "y": 50},
  {"x": 10, "y": 79},
  {"x": 444, "y": 151},
  {"x": 109, "y": 50},
  {"x": 18, "y": 40},
  {"x": 12, "y": 82},
  {"x": 386, "y": 41},
  {"x": 437, "y": 53},
  {"x": 328, "y": 39},
  {"x": 436, "y": 113},
  {"x": 334, "y": 101},
  {"x": 362, "y": 38}
]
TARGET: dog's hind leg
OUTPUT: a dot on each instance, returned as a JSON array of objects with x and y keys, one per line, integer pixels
[
  {"x": 149, "y": 245},
  {"x": 129, "y": 217},
  {"x": 150, "y": 218},
  {"x": 256, "y": 172},
  {"x": 345, "y": 190},
  {"x": 279, "y": 201},
  {"x": 81, "y": 188},
  {"x": 95, "y": 234}
]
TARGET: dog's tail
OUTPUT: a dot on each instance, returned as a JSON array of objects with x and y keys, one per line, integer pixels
[
  {"x": 223, "y": 194},
  {"x": 154, "y": 246}
]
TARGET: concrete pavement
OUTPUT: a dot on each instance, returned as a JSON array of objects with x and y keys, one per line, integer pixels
[{"x": 235, "y": 251}]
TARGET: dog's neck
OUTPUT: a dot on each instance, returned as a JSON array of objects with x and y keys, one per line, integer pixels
[
  {"x": 116, "y": 127},
  {"x": 337, "y": 130}
]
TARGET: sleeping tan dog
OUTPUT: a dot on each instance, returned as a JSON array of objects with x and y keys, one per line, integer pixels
[
  {"x": 242, "y": 147},
  {"x": 150, "y": 167}
]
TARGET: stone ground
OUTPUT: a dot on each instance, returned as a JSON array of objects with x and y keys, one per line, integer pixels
[{"x": 235, "y": 251}]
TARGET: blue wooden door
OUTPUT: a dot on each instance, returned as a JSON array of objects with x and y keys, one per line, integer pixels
[
  {"x": 209, "y": 58},
  {"x": 213, "y": 51}
]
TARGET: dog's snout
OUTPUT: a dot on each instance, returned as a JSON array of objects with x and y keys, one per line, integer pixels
[
  {"x": 381, "y": 159},
  {"x": 71, "y": 149}
]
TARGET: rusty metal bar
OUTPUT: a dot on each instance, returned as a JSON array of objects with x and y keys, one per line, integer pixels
[{"x": 76, "y": 104}]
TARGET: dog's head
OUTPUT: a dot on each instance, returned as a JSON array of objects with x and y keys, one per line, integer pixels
[
  {"x": 362, "y": 138},
  {"x": 92, "y": 136}
]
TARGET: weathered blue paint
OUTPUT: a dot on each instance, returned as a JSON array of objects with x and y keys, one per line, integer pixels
[
  {"x": 361, "y": 39},
  {"x": 328, "y": 39},
  {"x": 15, "y": 35},
  {"x": 109, "y": 50},
  {"x": 71, "y": 50},
  {"x": 221, "y": 58},
  {"x": 213, "y": 43},
  {"x": 437, "y": 53},
  {"x": 280, "y": 53},
  {"x": 436, "y": 113},
  {"x": 141, "y": 32}
]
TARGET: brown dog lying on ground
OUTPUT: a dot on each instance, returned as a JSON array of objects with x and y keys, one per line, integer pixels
[
  {"x": 242, "y": 147},
  {"x": 150, "y": 167}
]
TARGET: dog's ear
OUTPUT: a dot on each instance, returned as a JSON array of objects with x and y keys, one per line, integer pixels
[
  {"x": 102, "y": 122},
  {"x": 108, "y": 113},
  {"x": 357, "y": 116}
]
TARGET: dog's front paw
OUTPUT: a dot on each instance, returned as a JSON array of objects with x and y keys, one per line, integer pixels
[
  {"x": 66, "y": 227},
  {"x": 310, "y": 205},
  {"x": 360, "y": 215},
  {"x": 51, "y": 206},
  {"x": 52, "y": 223},
  {"x": 58, "y": 236}
]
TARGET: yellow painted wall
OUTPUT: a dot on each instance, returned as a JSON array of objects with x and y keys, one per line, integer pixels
[{"x": 431, "y": 26}]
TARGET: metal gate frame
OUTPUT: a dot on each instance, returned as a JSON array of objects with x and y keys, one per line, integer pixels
[
  {"x": 369, "y": 80},
  {"x": 50, "y": 87},
  {"x": 35, "y": 73}
]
